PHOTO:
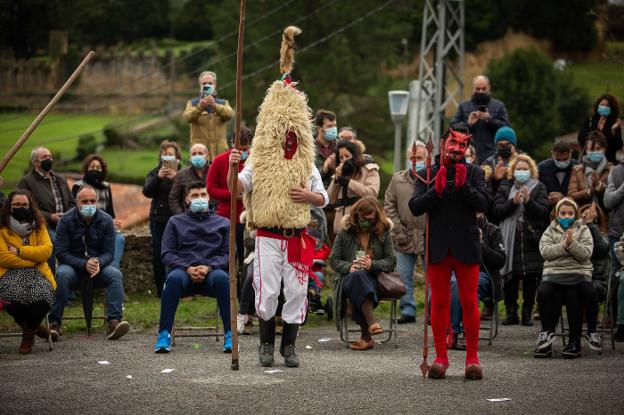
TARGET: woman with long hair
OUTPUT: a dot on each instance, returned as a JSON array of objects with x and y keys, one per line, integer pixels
[
  {"x": 361, "y": 251},
  {"x": 604, "y": 118},
  {"x": 26, "y": 281}
]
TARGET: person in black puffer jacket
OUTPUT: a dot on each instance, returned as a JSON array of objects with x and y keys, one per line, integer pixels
[
  {"x": 157, "y": 187},
  {"x": 521, "y": 208}
]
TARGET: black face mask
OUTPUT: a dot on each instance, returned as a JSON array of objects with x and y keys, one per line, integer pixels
[
  {"x": 481, "y": 98},
  {"x": 46, "y": 165},
  {"x": 504, "y": 152},
  {"x": 22, "y": 214},
  {"x": 93, "y": 176}
]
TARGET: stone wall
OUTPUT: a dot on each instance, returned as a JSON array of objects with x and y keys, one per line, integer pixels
[{"x": 136, "y": 264}]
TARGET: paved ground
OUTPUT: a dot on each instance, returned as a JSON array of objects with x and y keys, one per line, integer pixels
[{"x": 331, "y": 379}]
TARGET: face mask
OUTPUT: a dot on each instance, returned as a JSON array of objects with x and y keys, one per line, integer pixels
[
  {"x": 88, "y": 211},
  {"x": 504, "y": 152},
  {"x": 562, "y": 164},
  {"x": 365, "y": 224},
  {"x": 420, "y": 165},
  {"x": 244, "y": 155},
  {"x": 22, "y": 214},
  {"x": 522, "y": 176},
  {"x": 198, "y": 161},
  {"x": 566, "y": 222},
  {"x": 207, "y": 90},
  {"x": 168, "y": 158},
  {"x": 481, "y": 98},
  {"x": 46, "y": 165},
  {"x": 468, "y": 160},
  {"x": 595, "y": 156},
  {"x": 603, "y": 110},
  {"x": 330, "y": 133},
  {"x": 199, "y": 205},
  {"x": 93, "y": 176}
]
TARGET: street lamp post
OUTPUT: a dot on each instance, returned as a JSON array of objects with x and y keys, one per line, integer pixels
[{"x": 399, "y": 101}]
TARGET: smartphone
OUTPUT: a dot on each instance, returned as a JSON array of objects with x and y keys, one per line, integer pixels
[
  {"x": 206, "y": 91},
  {"x": 359, "y": 254},
  {"x": 169, "y": 164},
  {"x": 482, "y": 108}
]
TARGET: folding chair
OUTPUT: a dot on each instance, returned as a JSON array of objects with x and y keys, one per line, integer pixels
[
  {"x": 49, "y": 339},
  {"x": 392, "y": 331},
  {"x": 196, "y": 331}
]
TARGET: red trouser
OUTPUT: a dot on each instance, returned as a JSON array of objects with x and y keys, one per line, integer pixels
[{"x": 467, "y": 281}]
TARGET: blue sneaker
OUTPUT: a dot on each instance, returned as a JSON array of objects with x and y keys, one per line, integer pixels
[
  {"x": 163, "y": 342},
  {"x": 227, "y": 342}
]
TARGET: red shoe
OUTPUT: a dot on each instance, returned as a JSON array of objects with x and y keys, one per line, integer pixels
[
  {"x": 473, "y": 372},
  {"x": 437, "y": 371}
]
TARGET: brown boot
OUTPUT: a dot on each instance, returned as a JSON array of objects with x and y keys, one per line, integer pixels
[
  {"x": 116, "y": 329},
  {"x": 55, "y": 331},
  {"x": 28, "y": 339},
  {"x": 473, "y": 372},
  {"x": 43, "y": 332},
  {"x": 437, "y": 371},
  {"x": 488, "y": 311}
]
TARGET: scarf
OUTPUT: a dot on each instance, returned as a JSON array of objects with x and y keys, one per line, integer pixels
[
  {"x": 591, "y": 167},
  {"x": 509, "y": 224},
  {"x": 22, "y": 229}
]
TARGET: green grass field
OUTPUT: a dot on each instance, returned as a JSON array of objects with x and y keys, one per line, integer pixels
[{"x": 600, "y": 77}]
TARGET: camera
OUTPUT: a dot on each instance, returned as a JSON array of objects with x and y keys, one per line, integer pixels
[{"x": 482, "y": 108}]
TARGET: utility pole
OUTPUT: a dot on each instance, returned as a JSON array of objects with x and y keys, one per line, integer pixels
[{"x": 441, "y": 67}]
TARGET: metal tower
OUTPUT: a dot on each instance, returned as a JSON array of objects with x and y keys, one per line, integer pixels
[{"x": 441, "y": 68}]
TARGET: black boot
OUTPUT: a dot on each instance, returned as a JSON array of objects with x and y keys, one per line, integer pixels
[
  {"x": 526, "y": 315},
  {"x": 267, "y": 342},
  {"x": 619, "y": 334},
  {"x": 512, "y": 316},
  {"x": 287, "y": 348}
]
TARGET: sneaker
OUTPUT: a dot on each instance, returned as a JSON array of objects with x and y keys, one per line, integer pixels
[
  {"x": 241, "y": 321},
  {"x": 227, "y": 342},
  {"x": 265, "y": 354},
  {"x": 55, "y": 331},
  {"x": 248, "y": 329},
  {"x": 542, "y": 353},
  {"x": 290, "y": 356},
  {"x": 619, "y": 334},
  {"x": 572, "y": 350},
  {"x": 116, "y": 329},
  {"x": 544, "y": 340},
  {"x": 594, "y": 340},
  {"x": 163, "y": 342},
  {"x": 404, "y": 319}
]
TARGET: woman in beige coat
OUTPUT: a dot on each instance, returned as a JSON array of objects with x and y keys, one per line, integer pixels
[{"x": 353, "y": 179}]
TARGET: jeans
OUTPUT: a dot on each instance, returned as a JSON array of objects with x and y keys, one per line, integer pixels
[
  {"x": 405, "y": 267},
  {"x": 484, "y": 291},
  {"x": 178, "y": 285},
  {"x": 68, "y": 278},
  {"x": 120, "y": 243},
  {"x": 157, "y": 230}
]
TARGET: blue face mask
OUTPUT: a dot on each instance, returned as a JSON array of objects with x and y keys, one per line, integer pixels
[
  {"x": 244, "y": 155},
  {"x": 603, "y": 110},
  {"x": 522, "y": 176},
  {"x": 468, "y": 160},
  {"x": 420, "y": 165},
  {"x": 566, "y": 222},
  {"x": 167, "y": 158},
  {"x": 595, "y": 156},
  {"x": 198, "y": 161},
  {"x": 330, "y": 133},
  {"x": 199, "y": 205},
  {"x": 562, "y": 165},
  {"x": 88, "y": 211}
]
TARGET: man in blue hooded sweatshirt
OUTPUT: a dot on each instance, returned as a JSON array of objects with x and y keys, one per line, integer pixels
[{"x": 195, "y": 248}]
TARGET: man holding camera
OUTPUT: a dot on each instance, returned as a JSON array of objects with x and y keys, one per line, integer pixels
[
  {"x": 484, "y": 115},
  {"x": 208, "y": 116}
]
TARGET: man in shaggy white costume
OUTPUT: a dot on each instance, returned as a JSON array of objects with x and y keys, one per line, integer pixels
[{"x": 279, "y": 183}]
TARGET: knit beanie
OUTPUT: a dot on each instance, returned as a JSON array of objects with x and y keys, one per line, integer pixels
[
  {"x": 507, "y": 134},
  {"x": 570, "y": 202}
]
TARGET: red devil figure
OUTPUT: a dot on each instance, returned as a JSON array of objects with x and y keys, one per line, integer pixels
[{"x": 458, "y": 193}]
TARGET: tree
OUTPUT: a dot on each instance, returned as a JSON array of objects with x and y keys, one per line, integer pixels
[{"x": 542, "y": 102}]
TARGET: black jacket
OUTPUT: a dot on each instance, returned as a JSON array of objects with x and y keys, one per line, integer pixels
[
  {"x": 493, "y": 255},
  {"x": 453, "y": 215},
  {"x": 158, "y": 190},
  {"x": 600, "y": 261},
  {"x": 548, "y": 176},
  {"x": 526, "y": 256},
  {"x": 41, "y": 190}
]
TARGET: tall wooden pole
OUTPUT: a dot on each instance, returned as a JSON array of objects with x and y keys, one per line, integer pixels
[
  {"x": 20, "y": 142},
  {"x": 234, "y": 185},
  {"x": 424, "y": 366}
]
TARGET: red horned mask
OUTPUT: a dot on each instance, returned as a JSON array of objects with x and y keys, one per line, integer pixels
[{"x": 455, "y": 146}]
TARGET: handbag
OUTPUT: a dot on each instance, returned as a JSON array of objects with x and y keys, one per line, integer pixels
[{"x": 391, "y": 285}]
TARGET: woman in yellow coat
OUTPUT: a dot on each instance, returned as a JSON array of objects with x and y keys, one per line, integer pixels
[{"x": 26, "y": 282}]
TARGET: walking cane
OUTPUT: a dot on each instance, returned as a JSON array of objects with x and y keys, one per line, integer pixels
[
  {"x": 20, "y": 142},
  {"x": 234, "y": 185},
  {"x": 424, "y": 366}
]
